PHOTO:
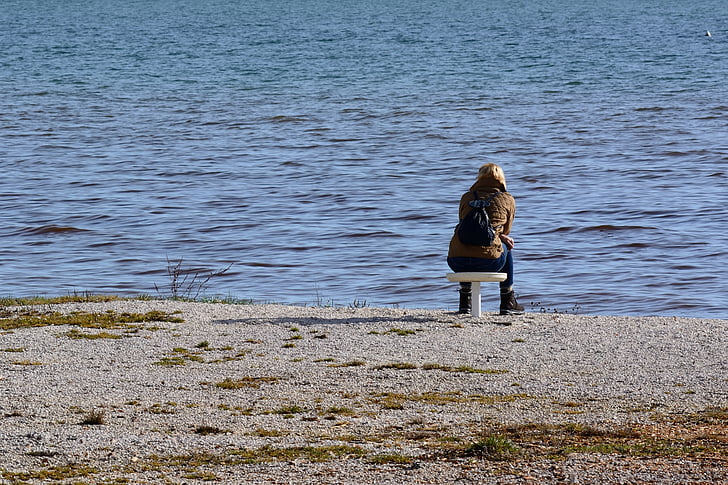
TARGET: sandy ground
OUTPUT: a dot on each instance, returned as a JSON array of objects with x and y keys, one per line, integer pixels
[{"x": 280, "y": 394}]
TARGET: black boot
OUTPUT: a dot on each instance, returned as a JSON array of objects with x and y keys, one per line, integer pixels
[
  {"x": 509, "y": 305},
  {"x": 466, "y": 295}
]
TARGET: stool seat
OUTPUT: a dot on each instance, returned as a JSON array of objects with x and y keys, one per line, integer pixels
[{"x": 476, "y": 277}]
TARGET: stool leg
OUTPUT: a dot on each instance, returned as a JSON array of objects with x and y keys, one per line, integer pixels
[{"x": 476, "y": 300}]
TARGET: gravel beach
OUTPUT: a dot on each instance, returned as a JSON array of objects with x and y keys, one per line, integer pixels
[{"x": 224, "y": 393}]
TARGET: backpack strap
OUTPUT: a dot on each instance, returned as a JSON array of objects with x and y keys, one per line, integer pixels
[{"x": 478, "y": 203}]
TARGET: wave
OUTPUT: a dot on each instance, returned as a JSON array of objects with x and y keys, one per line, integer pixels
[
  {"x": 605, "y": 228},
  {"x": 52, "y": 229},
  {"x": 374, "y": 234},
  {"x": 258, "y": 264}
]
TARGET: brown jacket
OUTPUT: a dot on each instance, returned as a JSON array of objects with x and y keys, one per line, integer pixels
[{"x": 501, "y": 212}]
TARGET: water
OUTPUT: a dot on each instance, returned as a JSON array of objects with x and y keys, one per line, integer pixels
[{"x": 322, "y": 148}]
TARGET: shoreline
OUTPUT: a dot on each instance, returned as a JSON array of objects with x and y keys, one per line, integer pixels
[{"x": 249, "y": 394}]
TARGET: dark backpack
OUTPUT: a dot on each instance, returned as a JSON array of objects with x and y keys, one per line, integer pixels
[{"x": 475, "y": 228}]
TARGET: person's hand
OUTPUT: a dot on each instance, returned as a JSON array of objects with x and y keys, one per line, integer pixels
[{"x": 508, "y": 241}]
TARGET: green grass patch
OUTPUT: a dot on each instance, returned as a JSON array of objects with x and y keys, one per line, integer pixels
[
  {"x": 79, "y": 335},
  {"x": 351, "y": 363},
  {"x": 463, "y": 368},
  {"x": 392, "y": 400},
  {"x": 71, "y": 298},
  {"x": 180, "y": 356},
  {"x": 645, "y": 448},
  {"x": 245, "y": 382},
  {"x": 711, "y": 415},
  {"x": 338, "y": 410},
  {"x": 307, "y": 453},
  {"x": 293, "y": 409},
  {"x": 56, "y": 473},
  {"x": 107, "y": 320},
  {"x": 494, "y": 447},
  {"x": 390, "y": 460},
  {"x": 270, "y": 433},
  {"x": 397, "y": 366},
  {"x": 400, "y": 331}
]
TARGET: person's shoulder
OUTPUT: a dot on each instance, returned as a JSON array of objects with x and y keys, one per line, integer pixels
[
  {"x": 469, "y": 195},
  {"x": 505, "y": 198}
]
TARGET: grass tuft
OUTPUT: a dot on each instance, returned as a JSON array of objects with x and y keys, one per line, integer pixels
[
  {"x": 401, "y": 331},
  {"x": 397, "y": 365},
  {"x": 94, "y": 418},
  {"x": 249, "y": 382},
  {"x": 351, "y": 363},
  {"x": 206, "y": 430},
  {"x": 494, "y": 447}
]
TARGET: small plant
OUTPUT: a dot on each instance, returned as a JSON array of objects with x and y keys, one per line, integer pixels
[
  {"x": 400, "y": 331},
  {"x": 249, "y": 382},
  {"x": 188, "y": 283},
  {"x": 351, "y": 363},
  {"x": 398, "y": 366},
  {"x": 94, "y": 418},
  {"x": 293, "y": 409},
  {"x": 320, "y": 300},
  {"x": 575, "y": 309},
  {"x": 270, "y": 433},
  {"x": 78, "y": 335},
  {"x": 392, "y": 401},
  {"x": 339, "y": 410},
  {"x": 390, "y": 460},
  {"x": 357, "y": 303},
  {"x": 179, "y": 356},
  {"x": 206, "y": 430},
  {"x": 166, "y": 408},
  {"x": 494, "y": 447},
  {"x": 203, "y": 476},
  {"x": 296, "y": 453},
  {"x": 463, "y": 368}
]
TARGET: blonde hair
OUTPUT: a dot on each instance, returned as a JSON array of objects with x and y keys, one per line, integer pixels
[{"x": 492, "y": 171}]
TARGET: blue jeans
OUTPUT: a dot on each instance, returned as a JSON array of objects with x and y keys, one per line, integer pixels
[{"x": 504, "y": 264}]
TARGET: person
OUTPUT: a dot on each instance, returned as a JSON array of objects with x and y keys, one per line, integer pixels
[{"x": 498, "y": 257}]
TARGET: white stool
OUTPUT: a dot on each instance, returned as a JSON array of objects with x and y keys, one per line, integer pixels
[{"x": 476, "y": 278}]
